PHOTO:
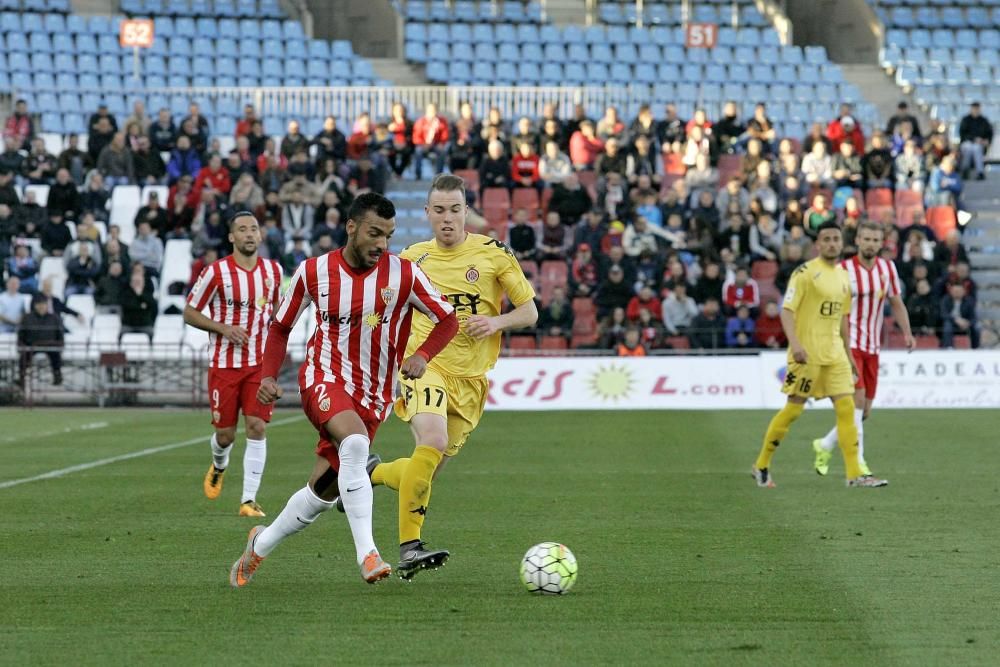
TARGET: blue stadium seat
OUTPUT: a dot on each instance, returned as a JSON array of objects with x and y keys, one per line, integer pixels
[
  {"x": 554, "y": 53},
  {"x": 462, "y": 51},
  {"x": 659, "y": 15},
  {"x": 668, "y": 72},
  {"x": 528, "y": 34},
  {"x": 438, "y": 51},
  {"x": 482, "y": 33},
  {"x": 552, "y": 74},
  {"x": 687, "y": 92},
  {"x": 484, "y": 51},
  {"x": 532, "y": 53},
  {"x": 595, "y": 34},
  {"x": 203, "y": 49},
  {"x": 184, "y": 26},
  {"x": 417, "y": 32},
  {"x": 611, "y": 13},
  {"x": 989, "y": 39},
  {"x": 791, "y": 55},
  {"x": 108, "y": 44},
  {"x": 618, "y": 35},
  {"x": 314, "y": 68},
  {"x": 249, "y": 48},
  {"x": 529, "y": 73},
  {"x": 41, "y": 62},
  {"x": 31, "y": 22},
  {"x": 768, "y": 54},
  {"x": 88, "y": 81},
  {"x": 273, "y": 67},
  {"x": 715, "y": 73},
  {"x": 225, "y": 64},
  {"x": 460, "y": 32},
  {"x": 674, "y": 54},
  {"x": 513, "y": 12},
  {"x": 575, "y": 74},
  {"x": 465, "y": 10},
  {"x": 18, "y": 62},
  {"x": 506, "y": 34},
  {"x": 780, "y": 92},
  {"x": 63, "y": 43},
  {"x": 577, "y": 53},
  {"x": 249, "y": 67},
  {"x": 249, "y": 29},
  {"x": 483, "y": 71},
  {"x": 66, "y": 81},
  {"x": 10, "y": 22},
  {"x": 459, "y": 73},
  {"x": 920, "y": 37},
  {"x": 691, "y": 72},
  {"x": 87, "y": 64},
  {"x": 207, "y": 28},
  {"x": 645, "y": 72},
  {"x": 601, "y": 53},
  {"x": 620, "y": 73},
  {"x": 319, "y": 49},
  {"x": 175, "y": 65},
  {"x": 39, "y": 42},
  {"x": 341, "y": 48},
  {"x": 17, "y": 42},
  {"x": 650, "y": 54},
  {"x": 415, "y": 52},
  {"x": 270, "y": 48},
  {"x": 943, "y": 38},
  {"x": 437, "y": 71},
  {"x": 902, "y": 17}
]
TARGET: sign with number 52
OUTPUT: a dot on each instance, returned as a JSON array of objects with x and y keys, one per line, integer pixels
[
  {"x": 136, "y": 33},
  {"x": 701, "y": 35}
]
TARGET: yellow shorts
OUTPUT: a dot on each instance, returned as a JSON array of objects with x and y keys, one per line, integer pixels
[
  {"x": 813, "y": 381},
  {"x": 461, "y": 401}
]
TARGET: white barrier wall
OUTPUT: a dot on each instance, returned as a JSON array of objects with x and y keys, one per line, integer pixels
[{"x": 923, "y": 379}]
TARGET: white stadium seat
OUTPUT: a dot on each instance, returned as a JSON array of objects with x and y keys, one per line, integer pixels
[
  {"x": 104, "y": 332},
  {"x": 124, "y": 207},
  {"x": 53, "y": 268},
  {"x": 135, "y": 346},
  {"x": 41, "y": 193},
  {"x": 176, "y": 267},
  {"x": 162, "y": 192}
]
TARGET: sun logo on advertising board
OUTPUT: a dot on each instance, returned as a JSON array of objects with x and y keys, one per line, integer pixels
[{"x": 611, "y": 383}]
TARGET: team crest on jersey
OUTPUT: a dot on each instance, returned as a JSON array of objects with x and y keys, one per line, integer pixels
[
  {"x": 324, "y": 404},
  {"x": 388, "y": 294},
  {"x": 268, "y": 283},
  {"x": 472, "y": 275}
]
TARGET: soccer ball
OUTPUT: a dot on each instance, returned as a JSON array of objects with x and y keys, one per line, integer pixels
[{"x": 549, "y": 568}]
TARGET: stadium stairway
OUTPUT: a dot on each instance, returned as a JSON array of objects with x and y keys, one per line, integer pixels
[
  {"x": 878, "y": 88},
  {"x": 409, "y": 197},
  {"x": 982, "y": 239},
  {"x": 399, "y": 73}
]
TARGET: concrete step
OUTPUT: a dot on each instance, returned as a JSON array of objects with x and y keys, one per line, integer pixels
[
  {"x": 399, "y": 72},
  {"x": 879, "y": 88}
]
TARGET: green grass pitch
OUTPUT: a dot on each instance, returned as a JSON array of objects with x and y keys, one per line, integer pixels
[{"x": 682, "y": 559}]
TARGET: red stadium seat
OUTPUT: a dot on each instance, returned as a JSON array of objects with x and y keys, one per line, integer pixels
[
  {"x": 678, "y": 342},
  {"x": 768, "y": 292},
  {"x": 588, "y": 179},
  {"x": 878, "y": 197},
  {"x": 546, "y": 198},
  {"x": 906, "y": 214},
  {"x": 764, "y": 270},
  {"x": 522, "y": 345},
  {"x": 583, "y": 307},
  {"x": 962, "y": 342},
  {"x": 879, "y": 213},
  {"x": 555, "y": 271},
  {"x": 927, "y": 342},
  {"x": 941, "y": 220},
  {"x": 668, "y": 182},
  {"x": 471, "y": 178},
  {"x": 729, "y": 166},
  {"x": 673, "y": 164},
  {"x": 530, "y": 268},
  {"x": 909, "y": 198},
  {"x": 496, "y": 198},
  {"x": 553, "y": 343},
  {"x": 525, "y": 198}
]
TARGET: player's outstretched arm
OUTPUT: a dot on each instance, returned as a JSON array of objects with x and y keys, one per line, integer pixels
[
  {"x": 481, "y": 326},
  {"x": 902, "y": 318},
  {"x": 200, "y": 320}
]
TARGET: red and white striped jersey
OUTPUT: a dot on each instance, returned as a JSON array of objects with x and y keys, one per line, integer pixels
[
  {"x": 239, "y": 298},
  {"x": 869, "y": 290},
  {"x": 362, "y": 321}
]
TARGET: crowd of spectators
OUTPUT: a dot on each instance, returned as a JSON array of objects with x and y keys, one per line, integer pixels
[{"x": 660, "y": 221}]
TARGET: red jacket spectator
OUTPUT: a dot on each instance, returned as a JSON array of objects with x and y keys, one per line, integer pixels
[
  {"x": 430, "y": 130},
  {"x": 524, "y": 166},
  {"x": 843, "y": 129},
  {"x": 768, "y": 332},
  {"x": 217, "y": 178},
  {"x": 584, "y": 148},
  {"x": 19, "y": 125},
  {"x": 742, "y": 291},
  {"x": 644, "y": 300}
]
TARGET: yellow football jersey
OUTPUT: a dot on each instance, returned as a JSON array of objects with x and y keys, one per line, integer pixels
[
  {"x": 820, "y": 296},
  {"x": 474, "y": 276}
]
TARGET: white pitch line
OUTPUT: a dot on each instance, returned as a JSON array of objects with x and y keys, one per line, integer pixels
[
  {"x": 47, "y": 434},
  {"x": 62, "y": 472}
]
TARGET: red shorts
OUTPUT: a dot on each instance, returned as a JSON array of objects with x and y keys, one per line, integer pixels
[
  {"x": 322, "y": 402},
  {"x": 867, "y": 372},
  {"x": 231, "y": 390}
]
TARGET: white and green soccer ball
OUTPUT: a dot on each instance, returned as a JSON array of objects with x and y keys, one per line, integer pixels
[{"x": 548, "y": 568}]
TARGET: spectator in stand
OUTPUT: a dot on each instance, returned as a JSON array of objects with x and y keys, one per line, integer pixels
[
  {"x": 846, "y": 167},
  {"x": 845, "y": 128},
  {"x": 147, "y": 163},
  {"x": 612, "y": 329},
  {"x": 950, "y": 251},
  {"x": 525, "y": 135},
  {"x": 610, "y": 126},
  {"x": 329, "y": 226},
  {"x": 768, "y": 331},
  {"x": 631, "y": 344},
  {"x": 552, "y": 131},
  {"x": 430, "y": 137},
  {"x": 644, "y": 125},
  {"x": 901, "y": 116},
  {"x": 678, "y": 310},
  {"x": 817, "y": 167},
  {"x": 923, "y": 309},
  {"x": 554, "y": 167},
  {"x": 330, "y": 142},
  {"x": 651, "y": 330},
  {"x": 214, "y": 178},
  {"x": 708, "y": 329},
  {"x": 155, "y": 215},
  {"x": 64, "y": 197},
  {"x": 32, "y": 215},
  {"x": 257, "y": 140},
  {"x": 741, "y": 290},
  {"x": 244, "y": 125},
  {"x": 697, "y": 143},
  {"x": 12, "y": 159},
  {"x": 293, "y": 141},
  {"x": 163, "y": 132},
  {"x": 612, "y": 293},
  {"x": 644, "y": 162},
  {"x": 184, "y": 161},
  {"x": 297, "y": 213},
  {"x": 73, "y": 159},
  {"x": 235, "y": 166},
  {"x": 246, "y": 194},
  {"x": 138, "y": 307},
  {"x": 670, "y": 131},
  {"x": 82, "y": 270},
  {"x": 904, "y": 133},
  {"x": 792, "y": 258},
  {"x": 8, "y": 232},
  {"x": 612, "y": 196},
  {"x": 296, "y": 256},
  {"x": 115, "y": 163},
  {"x": 196, "y": 117},
  {"x": 766, "y": 238},
  {"x": 147, "y": 249},
  {"x": 740, "y": 329},
  {"x": 975, "y": 133},
  {"x": 43, "y": 329},
  {"x": 945, "y": 185},
  {"x": 494, "y": 127},
  {"x": 593, "y": 229},
  {"x": 584, "y": 274},
  {"x": 181, "y": 203},
  {"x": 11, "y": 306},
  {"x": 197, "y": 137},
  {"x": 762, "y": 189},
  {"x": 271, "y": 167},
  {"x": 23, "y": 267},
  {"x": 209, "y": 232},
  {"x": 612, "y": 160},
  {"x": 701, "y": 121},
  {"x": 584, "y": 147},
  {"x": 110, "y": 287},
  {"x": 556, "y": 318},
  {"x": 40, "y": 166},
  {"x": 733, "y": 194},
  {"x": 19, "y": 126},
  {"x": 909, "y": 168},
  {"x": 466, "y": 148},
  {"x": 555, "y": 240},
  {"x": 400, "y": 129},
  {"x": 55, "y": 235},
  {"x": 701, "y": 176},
  {"x": 641, "y": 237},
  {"x": 877, "y": 164},
  {"x": 729, "y": 128},
  {"x": 524, "y": 168},
  {"x": 709, "y": 284},
  {"x": 102, "y": 131},
  {"x": 817, "y": 214},
  {"x": 958, "y": 316},
  {"x": 647, "y": 206},
  {"x": 762, "y": 129},
  {"x": 521, "y": 236},
  {"x": 495, "y": 170}
]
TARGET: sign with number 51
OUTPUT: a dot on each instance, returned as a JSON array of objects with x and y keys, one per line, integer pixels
[{"x": 701, "y": 35}]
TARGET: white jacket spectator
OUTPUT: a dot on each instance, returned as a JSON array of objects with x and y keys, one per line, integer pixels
[
  {"x": 817, "y": 166},
  {"x": 147, "y": 249},
  {"x": 555, "y": 165},
  {"x": 679, "y": 310},
  {"x": 641, "y": 235}
]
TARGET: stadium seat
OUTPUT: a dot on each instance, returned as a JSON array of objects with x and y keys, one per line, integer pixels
[
  {"x": 941, "y": 220},
  {"x": 496, "y": 198},
  {"x": 553, "y": 343},
  {"x": 522, "y": 345}
]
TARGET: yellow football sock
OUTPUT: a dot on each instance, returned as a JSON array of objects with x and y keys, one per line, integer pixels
[
  {"x": 390, "y": 474},
  {"x": 415, "y": 491},
  {"x": 776, "y": 431},
  {"x": 847, "y": 435}
]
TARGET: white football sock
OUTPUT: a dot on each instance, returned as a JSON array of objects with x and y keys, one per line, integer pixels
[
  {"x": 254, "y": 459},
  {"x": 356, "y": 491},
  {"x": 830, "y": 440},
  {"x": 859, "y": 420},
  {"x": 300, "y": 511},
  {"x": 220, "y": 454}
]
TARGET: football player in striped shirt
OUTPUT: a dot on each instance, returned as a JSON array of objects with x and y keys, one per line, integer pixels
[
  {"x": 364, "y": 300},
  {"x": 873, "y": 280},
  {"x": 240, "y": 292}
]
